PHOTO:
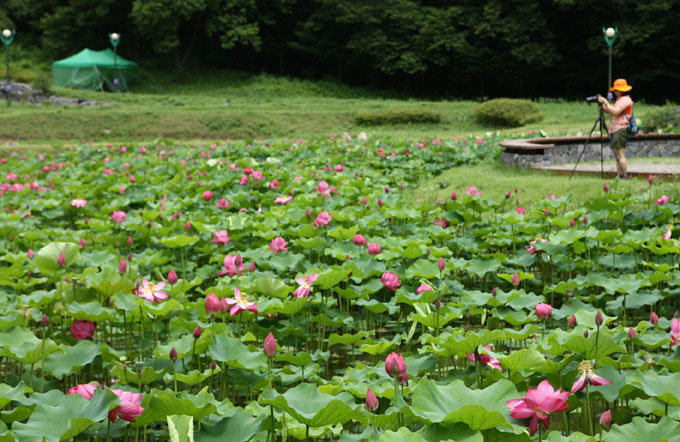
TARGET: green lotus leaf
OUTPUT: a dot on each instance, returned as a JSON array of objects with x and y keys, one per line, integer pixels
[
  {"x": 164, "y": 403},
  {"x": 666, "y": 429},
  {"x": 272, "y": 288},
  {"x": 403, "y": 434},
  {"x": 69, "y": 418},
  {"x": 656, "y": 407},
  {"x": 91, "y": 311},
  {"x": 146, "y": 376},
  {"x": 663, "y": 387},
  {"x": 240, "y": 425},
  {"x": 235, "y": 353},
  {"x": 480, "y": 409},
  {"x": 525, "y": 359},
  {"x": 508, "y": 277},
  {"x": 181, "y": 428},
  {"x": 379, "y": 348},
  {"x": 346, "y": 339},
  {"x": 459, "y": 345},
  {"x": 606, "y": 345},
  {"x": 480, "y": 267},
  {"x": 159, "y": 309},
  {"x": 184, "y": 345},
  {"x": 455, "y": 433},
  {"x": 331, "y": 278},
  {"x": 423, "y": 268},
  {"x": 46, "y": 258},
  {"x": 313, "y": 408},
  {"x": 284, "y": 262},
  {"x": 71, "y": 358},
  {"x": 9, "y": 394}
]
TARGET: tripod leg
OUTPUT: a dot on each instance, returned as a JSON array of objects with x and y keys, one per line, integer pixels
[{"x": 585, "y": 145}]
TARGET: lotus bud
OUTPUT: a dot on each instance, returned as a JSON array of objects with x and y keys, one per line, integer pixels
[
  {"x": 173, "y": 354},
  {"x": 213, "y": 365},
  {"x": 631, "y": 333},
  {"x": 82, "y": 242},
  {"x": 437, "y": 304},
  {"x": 308, "y": 214},
  {"x": 122, "y": 266},
  {"x": 148, "y": 224},
  {"x": 371, "y": 401},
  {"x": 598, "y": 319},
  {"x": 494, "y": 292},
  {"x": 172, "y": 277},
  {"x": 129, "y": 240},
  {"x": 45, "y": 320},
  {"x": 441, "y": 264},
  {"x": 653, "y": 318},
  {"x": 129, "y": 257},
  {"x": 546, "y": 212},
  {"x": 585, "y": 334},
  {"x": 454, "y": 196},
  {"x": 197, "y": 332},
  {"x": 380, "y": 203},
  {"x": 516, "y": 190},
  {"x": 572, "y": 222},
  {"x": 507, "y": 195},
  {"x": 606, "y": 418},
  {"x": 187, "y": 226},
  {"x": 515, "y": 279},
  {"x": 543, "y": 310},
  {"x": 61, "y": 260},
  {"x": 572, "y": 321},
  {"x": 269, "y": 347},
  {"x": 395, "y": 365},
  {"x": 585, "y": 220},
  {"x": 252, "y": 267},
  {"x": 605, "y": 187},
  {"x": 650, "y": 179},
  {"x": 31, "y": 254},
  {"x": 374, "y": 248}
]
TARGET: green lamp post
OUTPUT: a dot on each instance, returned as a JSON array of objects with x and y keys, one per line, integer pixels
[
  {"x": 7, "y": 37},
  {"x": 114, "y": 38},
  {"x": 610, "y": 37}
]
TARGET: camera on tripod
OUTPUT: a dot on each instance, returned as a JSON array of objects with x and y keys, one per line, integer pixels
[{"x": 593, "y": 98}]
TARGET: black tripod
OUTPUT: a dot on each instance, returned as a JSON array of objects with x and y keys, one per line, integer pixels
[{"x": 603, "y": 128}]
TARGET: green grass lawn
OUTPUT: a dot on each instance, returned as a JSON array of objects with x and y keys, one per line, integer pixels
[{"x": 219, "y": 105}]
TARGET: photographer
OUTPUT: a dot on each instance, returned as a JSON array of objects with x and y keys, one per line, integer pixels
[{"x": 621, "y": 112}]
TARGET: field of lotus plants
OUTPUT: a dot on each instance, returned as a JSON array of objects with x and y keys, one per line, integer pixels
[{"x": 288, "y": 290}]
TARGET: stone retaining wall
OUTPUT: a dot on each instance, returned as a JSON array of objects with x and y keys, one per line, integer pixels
[{"x": 542, "y": 152}]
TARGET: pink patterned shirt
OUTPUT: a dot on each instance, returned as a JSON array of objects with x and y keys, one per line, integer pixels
[{"x": 624, "y": 108}]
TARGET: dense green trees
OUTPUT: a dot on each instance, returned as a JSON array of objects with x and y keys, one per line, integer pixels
[{"x": 438, "y": 47}]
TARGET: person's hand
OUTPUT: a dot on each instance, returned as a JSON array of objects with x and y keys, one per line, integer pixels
[{"x": 601, "y": 99}]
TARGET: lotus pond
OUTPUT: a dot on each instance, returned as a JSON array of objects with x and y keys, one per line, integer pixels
[{"x": 288, "y": 290}]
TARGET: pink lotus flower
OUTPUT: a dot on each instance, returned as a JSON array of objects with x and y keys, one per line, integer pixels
[
  {"x": 129, "y": 407},
  {"x": 283, "y": 200},
  {"x": 339, "y": 168},
  {"x": 537, "y": 403},
  {"x": 441, "y": 222},
  {"x": 84, "y": 390},
  {"x": 118, "y": 217},
  {"x": 473, "y": 191},
  {"x": 486, "y": 359},
  {"x": 152, "y": 292},
  {"x": 223, "y": 204},
  {"x": 391, "y": 280},
  {"x": 395, "y": 365},
  {"x": 373, "y": 248},
  {"x": 606, "y": 418},
  {"x": 675, "y": 331},
  {"x": 269, "y": 346},
  {"x": 359, "y": 240},
  {"x": 371, "y": 401},
  {"x": 515, "y": 279},
  {"x": 257, "y": 175},
  {"x": 244, "y": 180},
  {"x": 605, "y": 187},
  {"x": 172, "y": 277},
  {"x": 274, "y": 184},
  {"x": 277, "y": 245},
  {"x": 239, "y": 303},
  {"x": 423, "y": 288},
  {"x": 324, "y": 190},
  {"x": 30, "y": 253},
  {"x": 520, "y": 210},
  {"x": 322, "y": 219},
  {"x": 213, "y": 304},
  {"x": 589, "y": 376},
  {"x": 207, "y": 195},
  {"x": 221, "y": 237},
  {"x": 305, "y": 287},
  {"x": 543, "y": 310},
  {"x": 669, "y": 232},
  {"x": 79, "y": 202},
  {"x": 233, "y": 265},
  {"x": 663, "y": 200},
  {"x": 83, "y": 329}
]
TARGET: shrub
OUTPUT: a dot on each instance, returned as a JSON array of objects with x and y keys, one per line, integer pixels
[
  {"x": 508, "y": 112},
  {"x": 397, "y": 117},
  {"x": 663, "y": 119}
]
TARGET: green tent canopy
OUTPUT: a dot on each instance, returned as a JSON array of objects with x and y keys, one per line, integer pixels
[{"x": 94, "y": 70}]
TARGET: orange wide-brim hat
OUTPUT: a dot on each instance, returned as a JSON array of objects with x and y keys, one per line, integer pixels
[{"x": 621, "y": 85}]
